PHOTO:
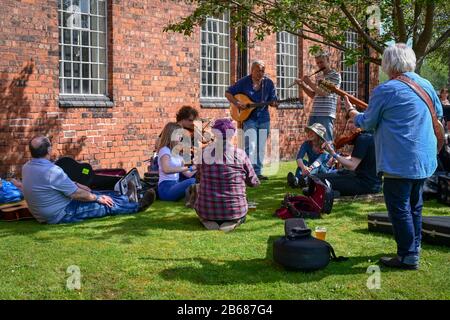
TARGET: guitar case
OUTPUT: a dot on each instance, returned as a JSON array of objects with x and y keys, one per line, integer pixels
[
  {"x": 435, "y": 230},
  {"x": 299, "y": 250},
  {"x": 76, "y": 171},
  {"x": 106, "y": 179}
]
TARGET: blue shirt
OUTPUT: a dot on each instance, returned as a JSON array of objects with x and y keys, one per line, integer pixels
[
  {"x": 46, "y": 188},
  {"x": 405, "y": 144},
  {"x": 307, "y": 149},
  {"x": 266, "y": 93}
]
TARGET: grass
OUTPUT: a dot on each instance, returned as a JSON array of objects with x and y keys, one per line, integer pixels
[{"x": 164, "y": 253}]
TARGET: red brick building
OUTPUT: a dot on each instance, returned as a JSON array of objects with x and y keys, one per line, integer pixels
[{"x": 101, "y": 78}]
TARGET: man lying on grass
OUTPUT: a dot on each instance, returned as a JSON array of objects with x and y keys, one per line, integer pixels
[{"x": 53, "y": 198}]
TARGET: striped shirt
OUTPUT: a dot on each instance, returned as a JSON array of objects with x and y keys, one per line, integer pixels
[
  {"x": 222, "y": 192},
  {"x": 325, "y": 106}
]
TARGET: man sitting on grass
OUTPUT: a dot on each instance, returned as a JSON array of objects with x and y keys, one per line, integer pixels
[
  {"x": 224, "y": 173},
  {"x": 53, "y": 198}
]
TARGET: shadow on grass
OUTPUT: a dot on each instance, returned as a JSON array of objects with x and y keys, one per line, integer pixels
[{"x": 255, "y": 271}]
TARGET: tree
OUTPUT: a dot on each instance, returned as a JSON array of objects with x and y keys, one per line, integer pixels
[{"x": 422, "y": 23}]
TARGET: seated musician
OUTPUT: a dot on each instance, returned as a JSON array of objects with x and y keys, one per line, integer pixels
[
  {"x": 171, "y": 164},
  {"x": 186, "y": 117},
  {"x": 316, "y": 161},
  {"x": 225, "y": 171},
  {"x": 359, "y": 175},
  {"x": 53, "y": 198}
]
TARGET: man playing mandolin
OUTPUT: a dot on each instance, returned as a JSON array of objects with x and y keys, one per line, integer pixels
[
  {"x": 258, "y": 88},
  {"x": 324, "y": 103}
]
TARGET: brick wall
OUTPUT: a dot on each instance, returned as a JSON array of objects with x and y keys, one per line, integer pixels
[{"x": 151, "y": 75}]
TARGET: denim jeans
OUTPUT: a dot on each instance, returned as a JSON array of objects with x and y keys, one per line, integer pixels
[
  {"x": 77, "y": 211},
  {"x": 404, "y": 202},
  {"x": 320, "y": 169},
  {"x": 256, "y": 135},
  {"x": 174, "y": 190},
  {"x": 327, "y": 122}
]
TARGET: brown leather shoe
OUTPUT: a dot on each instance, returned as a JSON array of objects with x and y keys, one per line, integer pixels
[
  {"x": 147, "y": 200},
  {"x": 396, "y": 263}
]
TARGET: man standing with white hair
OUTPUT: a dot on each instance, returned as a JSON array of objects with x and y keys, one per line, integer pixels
[
  {"x": 258, "y": 88},
  {"x": 405, "y": 147}
]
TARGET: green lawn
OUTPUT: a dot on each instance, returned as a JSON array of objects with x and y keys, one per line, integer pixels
[{"x": 164, "y": 253}]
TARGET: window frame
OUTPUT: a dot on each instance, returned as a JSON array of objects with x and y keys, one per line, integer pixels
[
  {"x": 69, "y": 100},
  {"x": 217, "y": 101},
  {"x": 350, "y": 74}
]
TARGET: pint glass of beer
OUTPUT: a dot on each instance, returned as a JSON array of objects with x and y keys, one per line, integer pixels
[{"x": 321, "y": 233}]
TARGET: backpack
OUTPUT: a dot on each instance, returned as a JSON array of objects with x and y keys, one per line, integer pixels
[
  {"x": 299, "y": 250},
  {"x": 318, "y": 200},
  {"x": 9, "y": 192}
]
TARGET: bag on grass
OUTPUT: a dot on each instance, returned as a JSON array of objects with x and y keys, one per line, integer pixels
[
  {"x": 319, "y": 200},
  {"x": 299, "y": 250}
]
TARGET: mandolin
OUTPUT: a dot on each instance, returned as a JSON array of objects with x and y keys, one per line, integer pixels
[{"x": 242, "y": 115}]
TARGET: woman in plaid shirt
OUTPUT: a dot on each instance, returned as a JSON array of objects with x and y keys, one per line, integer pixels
[{"x": 225, "y": 171}]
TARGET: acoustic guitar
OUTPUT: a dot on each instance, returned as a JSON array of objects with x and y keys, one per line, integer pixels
[{"x": 242, "y": 115}]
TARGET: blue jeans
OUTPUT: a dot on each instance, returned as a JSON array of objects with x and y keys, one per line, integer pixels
[
  {"x": 327, "y": 122},
  {"x": 77, "y": 211},
  {"x": 321, "y": 169},
  {"x": 255, "y": 142},
  {"x": 174, "y": 190},
  {"x": 404, "y": 202}
]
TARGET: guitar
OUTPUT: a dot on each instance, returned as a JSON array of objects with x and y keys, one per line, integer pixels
[{"x": 242, "y": 115}]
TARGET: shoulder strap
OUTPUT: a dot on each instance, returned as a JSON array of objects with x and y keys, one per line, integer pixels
[
  {"x": 333, "y": 255},
  {"x": 437, "y": 125}
]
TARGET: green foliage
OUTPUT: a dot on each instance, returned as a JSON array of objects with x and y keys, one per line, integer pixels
[
  {"x": 165, "y": 253},
  {"x": 325, "y": 22}
]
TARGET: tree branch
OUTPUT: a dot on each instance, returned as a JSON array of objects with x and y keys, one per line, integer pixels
[
  {"x": 427, "y": 33},
  {"x": 438, "y": 42},
  {"x": 360, "y": 31},
  {"x": 400, "y": 21}
]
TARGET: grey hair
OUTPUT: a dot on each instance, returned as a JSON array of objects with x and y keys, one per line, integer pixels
[
  {"x": 259, "y": 63},
  {"x": 398, "y": 58}
]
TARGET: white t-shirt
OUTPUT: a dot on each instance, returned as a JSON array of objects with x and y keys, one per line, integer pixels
[{"x": 174, "y": 161}]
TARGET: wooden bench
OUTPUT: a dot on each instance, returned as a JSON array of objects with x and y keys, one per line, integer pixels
[{"x": 15, "y": 211}]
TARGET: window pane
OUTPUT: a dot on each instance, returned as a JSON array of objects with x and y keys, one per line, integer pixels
[
  {"x": 76, "y": 70},
  {"x": 66, "y": 4},
  {"x": 93, "y": 6},
  {"x": 102, "y": 71},
  {"x": 94, "y": 55},
  {"x": 102, "y": 40},
  {"x": 67, "y": 86},
  {"x": 101, "y": 8},
  {"x": 67, "y": 69},
  {"x": 86, "y": 87},
  {"x": 102, "y": 87},
  {"x": 75, "y": 37},
  {"x": 76, "y": 85},
  {"x": 76, "y": 53},
  {"x": 67, "y": 53},
  {"x": 102, "y": 55},
  {"x": 85, "y": 38},
  {"x": 94, "y": 39},
  {"x": 84, "y": 21},
  {"x": 94, "y": 87},
  {"x": 94, "y": 71},
  {"x": 94, "y": 23},
  {"x": 84, "y": 6},
  {"x": 85, "y": 54},
  {"x": 85, "y": 70},
  {"x": 66, "y": 34}
]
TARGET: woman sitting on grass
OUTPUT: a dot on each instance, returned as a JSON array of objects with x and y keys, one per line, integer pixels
[
  {"x": 317, "y": 158},
  {"x": 171, "y": 164},
  {"x": 225, "y": 171}
]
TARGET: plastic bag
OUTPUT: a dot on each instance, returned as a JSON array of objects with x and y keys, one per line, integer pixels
[{"x": 9, "y": 192}]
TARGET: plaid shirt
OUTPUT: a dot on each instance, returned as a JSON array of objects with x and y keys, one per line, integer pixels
[{"x": 221, "y": 194}]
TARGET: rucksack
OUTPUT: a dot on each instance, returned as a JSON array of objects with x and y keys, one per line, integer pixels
[
  {"x": 319, "y": 200},
  {"x": 299, "y": 250}
]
